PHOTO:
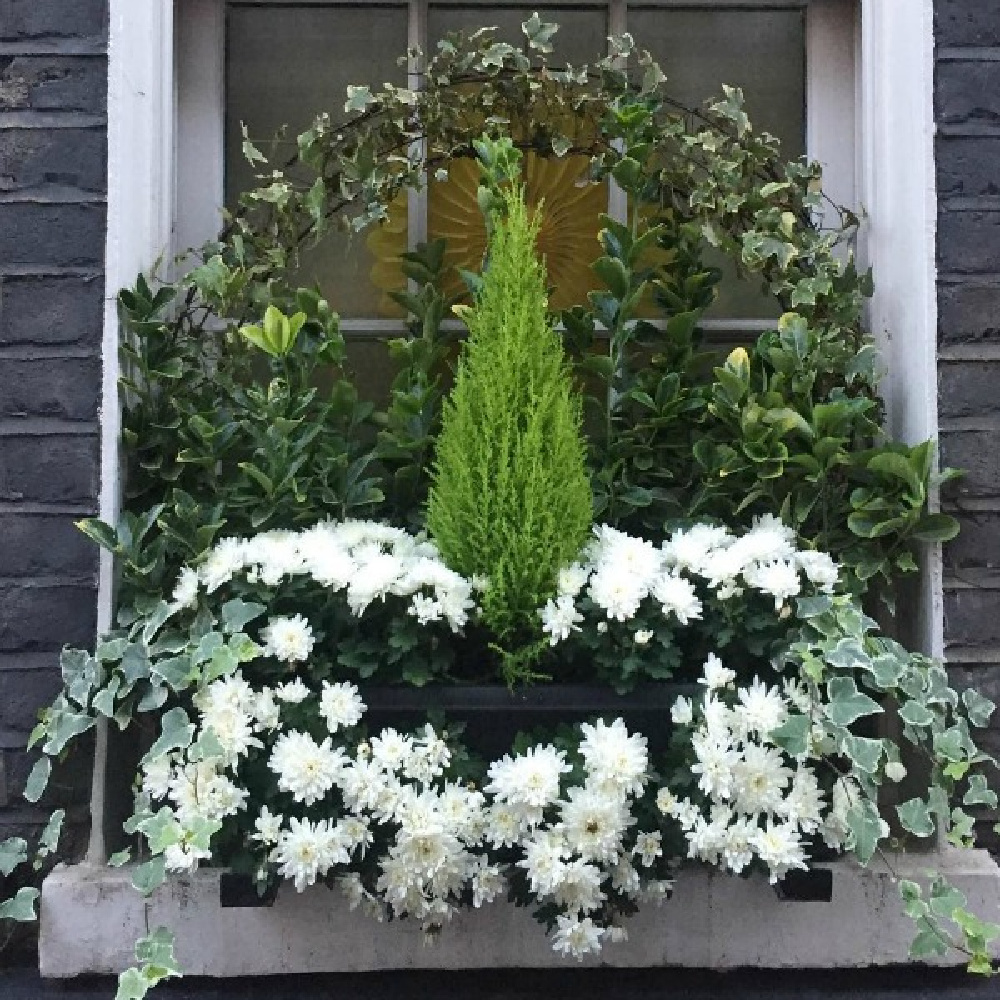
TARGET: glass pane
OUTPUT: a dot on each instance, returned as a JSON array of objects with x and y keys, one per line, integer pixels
[
  {"x": 762, "y": 51},
  {"x": 286, "y": 64},
  {"x": 582, "y": 35}
]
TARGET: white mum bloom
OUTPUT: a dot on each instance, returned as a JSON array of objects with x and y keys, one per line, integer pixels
[
  {"x": 390, "y": 750},
  {"x": 594, "y": 824},
  {"x": 648, "y": 847},
  {"x": 292, "y": 692},
  {"x": 768, "y": 540},
  {"x": 780, "y": 579},
  {"x": 277, "y": 554},
  {"x": 376, "y": 576},
  {"x": 425, "y": 609},
  {"x": 614, "y": 760},
  {"x": 268, "y": 827},
  {"x": 643, "y": 636},
  {"x": 714, "y": 765},
  {"x": 225, "y": 560},
  {"x": 559, "y": 618},
  {"x": 544, "y": 861},
  {"x": 578, "y": 889},
  {"x": 689, "y": 549},
  {"x": 307, "y": 851},
  {"x": 617, "y": 592},
  {"x": 819, "y": 568},
  {"x": 156, "y": 776},
  {"x": 804, "y": 802},
  {"x": 266, "y": 710},
  {"x": 233, "y": 729},
  {"x": 185, "y": 593},
  {"x": 677, "y": 597},
  {"x": 572, "y": 579},
  {"x": 714, "y": 675},
  {"x": 779, "y": 847},
  {"x": 304, "y": 767},
  {"x": 340, "y": 705},
  {"x": 529, "y": 779},
  {"x": 487, "y": 883},
  {"x": 682, "y": 712},
  {"x": 760, "y": 709},
  {"x": 184, "y": 856},
  {"x": 576, "y": 937},
  {"x": 289, "y": 639},
  {"x": 759, "y": 780}
]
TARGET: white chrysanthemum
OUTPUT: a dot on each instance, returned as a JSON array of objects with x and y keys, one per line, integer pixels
[
  {"x": 648, "y": 847},
  {"x": 425, "y": 609},
  {"x": 614, "y": 759},
  {"x": 390, "y": 750},
  {"x": 184, "y": 856},
  {"x": 266, "y": 710},
  {"x": 544, "y": 861},
  {"x": 819, "y": 568},
  {"x": 529, "y": 779},
  {"x": 737, "y": 851},
  {"x": 797, "y": 694},
  {"x": 292, "y": 692},
  {"x": 224, "y": 561},
  {"x": 769, "y": 540},
  {"x": 677, "y": 597},
  {"x": 804, "y": 802},
  {"x": 594, "y": 823},
  {"x": 642, "y": 636},
  {"x": 779, "y": 847},
  {"x": 714, "y": 763},
  {"x": 559, "y": 618},
  {"x": 428, "y": 758},
  {"x": 578, "y": 889},
  {"x": 576, "y": 937},
  {"x": 233, "y": 729},
  {"x": 689, "y": 549},
  {"x": 721, "y": 567},
  {"x": 305, "y": 768},
  {"x": 487, "y": 884},
  {"x": 376, "y": 576},
  {"x": 200, "y": 792},
  {"x": 326, "y": 558},
  {"x": 307, "y": 851},
  {"x": 572, "y": 579},
  {"x": 759, "y": 780},
  {"x": 635, "y": 556},
  {"x": 617, "y": 592},
  {"x": 682, "y": 712},
  {"x": 156, "y": 776},
  {"x": 760, "y": 709},
  {"x": 779, "y": 579},
  {"x": 714, "y": 675},
  {"x": 289, "y": 639},
  {"x": 276, "y": 554},
  {"x": 267, "y": 827},
  {"x": 185, "y": 593},
  {"x": 340, "y": 705}
]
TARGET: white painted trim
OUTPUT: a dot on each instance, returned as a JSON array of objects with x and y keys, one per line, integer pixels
[
  {"x": 140, "y": 214},
  {"x": 900, "y": 198}
]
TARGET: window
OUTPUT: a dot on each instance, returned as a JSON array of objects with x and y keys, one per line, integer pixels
[{"x": 278, "y": 63}]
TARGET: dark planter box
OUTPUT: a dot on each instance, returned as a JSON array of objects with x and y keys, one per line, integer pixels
[{"x": 493, "y": 714}]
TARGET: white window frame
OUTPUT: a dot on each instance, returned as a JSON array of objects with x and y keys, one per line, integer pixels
[{"x": 870, "y": 116}]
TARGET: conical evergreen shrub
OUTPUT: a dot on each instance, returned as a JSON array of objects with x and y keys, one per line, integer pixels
[{"x": 510, "y": 497}]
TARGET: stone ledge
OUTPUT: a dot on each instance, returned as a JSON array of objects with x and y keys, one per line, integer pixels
[{"x": 90, "y": 918}]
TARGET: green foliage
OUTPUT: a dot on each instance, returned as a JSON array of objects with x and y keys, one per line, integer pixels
[{"x": 510, "y": 499}]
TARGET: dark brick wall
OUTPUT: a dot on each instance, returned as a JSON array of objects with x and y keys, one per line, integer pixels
[
  {"x": 53, "y": 181},
  {"x": 968, "y": 152}
]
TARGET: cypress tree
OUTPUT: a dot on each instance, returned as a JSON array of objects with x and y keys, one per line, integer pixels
[{"x": 510, "y": 497}]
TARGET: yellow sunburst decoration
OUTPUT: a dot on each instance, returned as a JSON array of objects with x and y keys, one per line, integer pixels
[{"x": 567, "y": 239}]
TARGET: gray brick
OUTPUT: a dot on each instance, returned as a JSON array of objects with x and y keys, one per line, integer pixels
[
  {"x": 967, "y": 95},
  {"x": 42, "y": 618},
  {"x": 64, "y": 310},
  {"x": 968, "y": 389},
  {"x": 43, "y": 19},
  {"x": 966, "y": 167},
  {"x": 39, "y": 159},
  {"x": 53, "y": 83},
  {"x": 61, "y": 235},
  {"x": 966, "y": 22},
  {"x": 49, "y": 469},
  {"x": 968, "y": 312},
  {"x": 45, "y": 545},
  {"x": 68, "y": 389},
  {"x": 977, "y": 545},
  {"x": 969, "y": 242},
  {"x": 971, "y": 619}
]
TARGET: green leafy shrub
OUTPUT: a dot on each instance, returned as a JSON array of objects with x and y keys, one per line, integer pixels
[{"x": 510, "y": 498}]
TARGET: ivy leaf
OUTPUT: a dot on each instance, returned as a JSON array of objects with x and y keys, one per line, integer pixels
[
  {"x": 793, "y": 735},
  {"x": 916, "y": 818},
  {"x": 132, "y": 985},
  {"x": 978, "y": 707},
  {"x": 38, "y": 780},
  {"x": 926, "y": 944},
  {"x": 864, "y": 753},
  {"x": 63, "y": 726},
  {"x": 149, "y": 876},
  {"x": 539, "y": 33},
  {"x": 157, "y": 952},
  {"x": 915, "y": 714},
  {"x": 561, "y": 145},
  {"x": 161, "y": 830},
  {"x": 176, "y": 733},
  {"x": 119, "y": 858},
  {"x": 20, "y": 907},
  {"x": 49, "y": 839},
  {"x": 865, "y": 823},
  {"x": 13, "y": 852},
  {"x": 979, "y": 793},
  {"x": 848, "y": 704},
  {"x": 358, "y": 98},
  {"x": 236, "y": 614}
]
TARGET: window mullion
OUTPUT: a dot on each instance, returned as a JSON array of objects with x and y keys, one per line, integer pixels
[{"x": 416, "y": 203}]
